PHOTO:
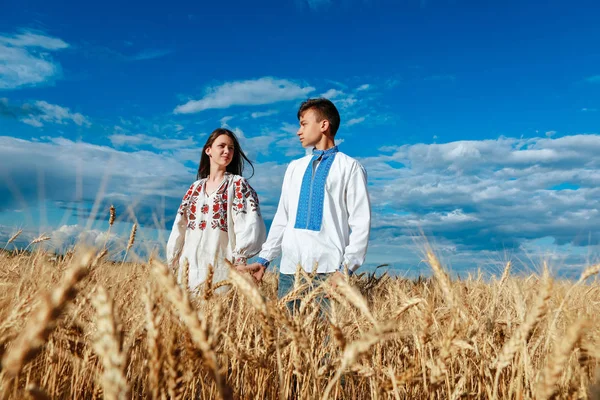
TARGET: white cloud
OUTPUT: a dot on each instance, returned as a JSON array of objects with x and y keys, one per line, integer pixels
[
  {"x": 346, "y": 102},
  {"x": 31, "y": 39},
  {"x": 25, "y": 59},
  {"x": 225, "y": 120},
  {"x": 332, "y": 94},
  {"x": 355, "y": 121},
  {"x": 261, "y": 91},
  {"x": 260, "y": 114},
  {"x": 361, "y": 88},
  {"x": 474, "y": 199},
  {"x": 151, "y": 183},
  {"x": 131, "y": 175},
  {"x": 32, "y": 122},
  {"x": 44, "y": 112},
  {"x": 492, "y": 193},
  {"x": 141, "y": 140}
]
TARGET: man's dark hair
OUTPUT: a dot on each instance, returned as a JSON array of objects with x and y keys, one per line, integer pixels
[{"x": 324, "y": 109}]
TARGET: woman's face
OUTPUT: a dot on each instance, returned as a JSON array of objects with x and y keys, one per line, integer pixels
[{"x": 221, "y": 151}]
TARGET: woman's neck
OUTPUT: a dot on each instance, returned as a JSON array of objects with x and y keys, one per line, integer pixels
[{"x": 216, "y": 174}]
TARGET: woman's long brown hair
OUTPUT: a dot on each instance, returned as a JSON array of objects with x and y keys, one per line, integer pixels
[{"x": 236, "y": 166}]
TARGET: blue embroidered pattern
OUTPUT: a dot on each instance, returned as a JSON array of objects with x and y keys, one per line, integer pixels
[{"x": 312, "y": 193}]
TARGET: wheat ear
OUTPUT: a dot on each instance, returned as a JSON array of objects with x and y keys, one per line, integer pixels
[
  {"x": 131, "y": 240},
  {"x": 42, "y": 323},
  {"x": 190, "y": 316},
  {"x": 108, "y": 348}
]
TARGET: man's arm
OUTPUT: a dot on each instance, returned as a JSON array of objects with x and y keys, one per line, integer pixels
[
  {"x": 271, "y": 249},
  {"x": 359, "y": 218}
]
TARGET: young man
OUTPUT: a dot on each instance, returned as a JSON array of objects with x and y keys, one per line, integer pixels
[{"x": 324, "y": 216}]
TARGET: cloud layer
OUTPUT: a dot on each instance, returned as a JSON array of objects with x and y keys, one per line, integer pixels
[
  {"x": 492, "y": 194},
  {"x": 40, "y": 112},
  {"x": 261, "y": 91},
  {"x": 477, "y": 200},
  {"x": 25, "y": 59}
]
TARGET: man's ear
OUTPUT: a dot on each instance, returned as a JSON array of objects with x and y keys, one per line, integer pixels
[{"x": 324, "y": 125}]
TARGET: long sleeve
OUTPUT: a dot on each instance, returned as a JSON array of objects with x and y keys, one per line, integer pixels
[
  {"x": 248, "y": 225},
  {"x": 359, "y": 218},
  {"x": 177, "y": 236},
  {"x": 271, "y": 249}
]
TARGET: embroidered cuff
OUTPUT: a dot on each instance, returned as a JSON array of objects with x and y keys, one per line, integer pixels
[
  {"x": 239, "y": 260},
  {"x": 263, "y": 261},
  {"x": 342, "y": 270}
]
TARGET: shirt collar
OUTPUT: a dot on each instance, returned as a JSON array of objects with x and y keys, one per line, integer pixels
[{"x": 325, "y": 153}]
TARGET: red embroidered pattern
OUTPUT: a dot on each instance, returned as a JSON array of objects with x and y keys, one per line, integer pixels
[
  {"x": 188, "y": 205},
  {"x": 219, "y": 217},
  {"x": 244, "y": 195}
]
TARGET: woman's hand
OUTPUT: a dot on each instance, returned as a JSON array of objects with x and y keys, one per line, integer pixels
[{"x": 257, "y": 270}]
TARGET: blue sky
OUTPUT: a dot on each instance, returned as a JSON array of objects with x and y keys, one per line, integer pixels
[{"x": 478, "y": 122}]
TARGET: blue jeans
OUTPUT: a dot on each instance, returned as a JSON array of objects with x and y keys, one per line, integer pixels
[{"x": 286, "y": 285}]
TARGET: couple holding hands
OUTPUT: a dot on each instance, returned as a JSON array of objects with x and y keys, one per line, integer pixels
[{"x": 323, "y": 217}]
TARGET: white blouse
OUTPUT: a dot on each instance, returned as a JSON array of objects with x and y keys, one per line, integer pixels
[
  {"x": 324, "y": 216},
  {"x": 212, "y": 227}
]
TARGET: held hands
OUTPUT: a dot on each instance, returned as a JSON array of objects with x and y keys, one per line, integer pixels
[
  {"x": 257, "y": 270},
  {"x": 335, "y": 278}
]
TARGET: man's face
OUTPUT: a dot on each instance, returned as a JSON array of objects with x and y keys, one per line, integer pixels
[{"x": 311, "y": 131}]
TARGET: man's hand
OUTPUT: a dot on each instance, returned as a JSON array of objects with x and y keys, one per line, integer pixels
[
  {"x": 335, "y": 278},
  {"x": 257, "y": 270}
]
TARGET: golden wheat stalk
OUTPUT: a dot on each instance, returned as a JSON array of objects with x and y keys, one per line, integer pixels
[
  {"x": 505, "y": 273},
  {"x": 131, "y": 240},
  {"x": 99, "y": 258},
  {"x": 108, "y": 348},
  {"x": 587, "y": 273},
  {"x": 355, "y": 298},
  {"x": 559, "y": 360},
  {"x": 208, "y": 283},
  {"x": 523, "y": 332},
  {"x": 249, "y": 290},
  {"x": 41, "y": 324},
  {"x": 443, "y": 281},
  {"x": 176, "y": 296},
  {"x": 39, "y": 239},
  {"x": 175, "y": 382},
  {"x": 112, "y": 215},
  {"x": 13, "y": 238},
  {"x": 185, "y": 279},
  {"x": 35, "y": 392},
  {"x": 407, "y": 306},
  {"x": 154, "y": 350},
  {"x": 354, "y": 350}
]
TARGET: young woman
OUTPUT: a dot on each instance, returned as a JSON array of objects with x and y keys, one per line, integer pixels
[{"x": 219, "y": 217}]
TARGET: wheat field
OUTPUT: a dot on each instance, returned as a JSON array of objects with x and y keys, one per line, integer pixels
[{"x": 85, "y": 326}]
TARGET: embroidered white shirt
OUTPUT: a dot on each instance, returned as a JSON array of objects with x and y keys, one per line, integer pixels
[
  {"x": 212, "y": 227},
  {"x": 343, "y": 234}
]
